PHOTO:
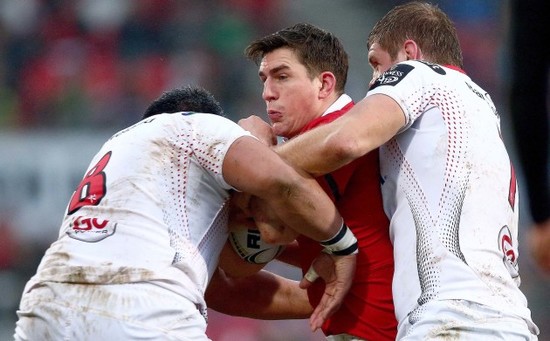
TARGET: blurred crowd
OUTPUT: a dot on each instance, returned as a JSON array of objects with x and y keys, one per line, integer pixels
[
  {"x": 94, "y": 65},
  {"x": 106, "y": 60},
  {"x": 97, "y": 63}
]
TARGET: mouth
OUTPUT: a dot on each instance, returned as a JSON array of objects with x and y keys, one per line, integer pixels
[{"x": 274, "y": 115}]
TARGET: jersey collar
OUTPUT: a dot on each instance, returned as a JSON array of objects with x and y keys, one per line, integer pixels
[{"x": 456, "y": 68}]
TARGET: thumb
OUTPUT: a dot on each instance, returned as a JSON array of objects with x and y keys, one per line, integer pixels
[{"x": 308, "y": 279}]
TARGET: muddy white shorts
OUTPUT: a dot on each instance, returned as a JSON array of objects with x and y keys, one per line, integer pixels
[
  {"x": 133, "y": 311},
  {"x": 465, "y": 321}
]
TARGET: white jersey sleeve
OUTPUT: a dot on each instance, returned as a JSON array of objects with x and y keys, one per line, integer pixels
[
  {"x": 451, "y": 193},
  {"x": 152, "y": 207}
]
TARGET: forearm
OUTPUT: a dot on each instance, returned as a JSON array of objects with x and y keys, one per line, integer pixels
[
  {"x": 233, "y": 265},
  {"x": 304, "y": 207},
  {"x": 262, "y": 296},
  {"x": 291, "y": 255},
  {"x": 313, "y": 152},
  {"x": 370, "y": 123},
  {"x": 297, "y": 200}
]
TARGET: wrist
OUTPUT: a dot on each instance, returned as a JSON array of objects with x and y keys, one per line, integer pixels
[{"x": 343, "y": 243}]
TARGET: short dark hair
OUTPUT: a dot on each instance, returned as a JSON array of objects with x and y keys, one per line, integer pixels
[
  {"x": 188, "y": 98},
  {"x": 427, "y": 25},
  {"x": 318, "y": 50}
]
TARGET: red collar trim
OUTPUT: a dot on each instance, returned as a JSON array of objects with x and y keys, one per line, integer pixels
[{"x": 456, "y": 68}]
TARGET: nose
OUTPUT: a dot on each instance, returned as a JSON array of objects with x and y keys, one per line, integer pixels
[{"x": 269, "y": 93}]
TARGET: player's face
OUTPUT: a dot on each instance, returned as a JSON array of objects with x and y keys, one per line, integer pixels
[
  {"x": 291, "y": 96},
  {"x": 380, "y": 60}
]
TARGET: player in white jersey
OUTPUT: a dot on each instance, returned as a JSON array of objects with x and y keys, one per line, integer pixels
[
  {"x": 447, "y": 174},
  {"x": 142, "y": 233},
  {"x": 447, "y": 182}
]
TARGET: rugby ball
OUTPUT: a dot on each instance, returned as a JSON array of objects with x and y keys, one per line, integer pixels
[{"x": 250, "y": 247}]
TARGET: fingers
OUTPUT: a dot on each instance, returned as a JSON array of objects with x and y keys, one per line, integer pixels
[
  {"x": 272, "y": 229},
  {"x": 241, "y": 201},
  {"x": 322, "y": 266},
  {"x": 239, "y": 214},
  {"x": 336, "y": 288},
  {"x": 310, "y": 277},
  {"x": 322, "y": 312},
  {"x": 259, "y": 128}
]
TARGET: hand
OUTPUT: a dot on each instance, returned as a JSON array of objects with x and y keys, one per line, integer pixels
[
  {"x": 259, "y": 128},
  {"x": 338, "y": 273},
  {"x": 239, "y": 213},
  {"x": 246, "y": 211},
  {"x": 272, "y": 229},
  {"x": 539, "y": 241}
]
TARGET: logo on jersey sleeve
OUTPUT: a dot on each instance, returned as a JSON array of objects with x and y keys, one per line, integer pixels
[
  {"x": 91, "y": 230},
  {"x": 393, "y": 76},
  {"x": 509, "y": 251}
]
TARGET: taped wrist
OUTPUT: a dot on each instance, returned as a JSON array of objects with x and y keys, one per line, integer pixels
[{"x": 342, "y": 244}]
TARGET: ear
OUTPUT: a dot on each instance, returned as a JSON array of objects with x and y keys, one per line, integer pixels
[
  {"x": 412, "y": 50},
  {"x": 327, "y": 84}
]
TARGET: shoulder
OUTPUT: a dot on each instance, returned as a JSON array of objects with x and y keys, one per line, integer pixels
[
  {"x": 412, "y": 69},
  {"x": 203, "y": 119},
  {"x": 205, "y": 123}
]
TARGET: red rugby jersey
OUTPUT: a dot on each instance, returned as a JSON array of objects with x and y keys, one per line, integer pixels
[{"x": 367, "y": 311}]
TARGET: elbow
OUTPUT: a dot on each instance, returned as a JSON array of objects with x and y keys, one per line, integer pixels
[{"x": 342, "y": 149}]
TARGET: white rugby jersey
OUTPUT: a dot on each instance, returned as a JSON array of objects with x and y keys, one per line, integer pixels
[
  {"x": 152, "y": 207},
  {"x": 451, "y": 193}
]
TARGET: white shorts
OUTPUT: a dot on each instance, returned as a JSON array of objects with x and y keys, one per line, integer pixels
[
  {"x": 464, "y": 321},
  {"x": 133, "y": 311}
]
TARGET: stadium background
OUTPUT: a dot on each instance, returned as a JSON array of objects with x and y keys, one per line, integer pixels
[{"x": 73, "y": 72}]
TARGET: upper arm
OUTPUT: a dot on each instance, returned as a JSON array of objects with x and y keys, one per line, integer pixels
[
  {"x": 234, "y": 266},
  {"x": 264, "y": 295},
  {"x": 251, "y": 167},
  {"x": 291, "y": 255},
  {"x": 369, "y": 124}
]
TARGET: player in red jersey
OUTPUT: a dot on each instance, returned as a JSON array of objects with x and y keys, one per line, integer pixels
[
  {"x": 447, "y": 181},
  {"x": 304, "y": 69}
]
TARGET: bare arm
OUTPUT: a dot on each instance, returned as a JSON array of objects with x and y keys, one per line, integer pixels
[
  {"x": 299, "y": 201},
  {"x": 302, "y": 205},
  {"x": 240, "y": 288},
  {"x": 234, "y": 266},
  {"x": 262, "y": 296},
  {"x": 291, "y": 255},
  {"x": 369, "y": 124}
]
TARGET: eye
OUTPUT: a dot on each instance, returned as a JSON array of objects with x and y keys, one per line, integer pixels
[{"x": 282, "y": 76}]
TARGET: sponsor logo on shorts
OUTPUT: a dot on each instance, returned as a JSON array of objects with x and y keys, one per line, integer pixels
[{"x": 91, "y": 230}]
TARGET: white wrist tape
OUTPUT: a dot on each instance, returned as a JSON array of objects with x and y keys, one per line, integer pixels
[
  {"x": 311, "y": 275},
  {"x": 343, "y": 243}
]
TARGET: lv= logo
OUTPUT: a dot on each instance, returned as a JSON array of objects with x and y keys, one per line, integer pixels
[{"x": 90, "y": 230}]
